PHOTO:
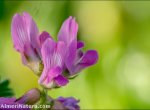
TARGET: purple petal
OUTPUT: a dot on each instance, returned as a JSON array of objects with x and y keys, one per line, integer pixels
[
  {"x": 24, "y": 35},
  {"x": 31, "y": 59},
  {"x": 68, "y": 34},
  {"x": 30, "y": 97},
  {"x": 43, "y": 36},
  {"x": 10, "y": 102},
  {"x": 47, "y": 78},
  {"x": 32, "y": 31},
  {"x": 47, "y": 54},
  {"x": 19, "y": 33},
  {"x": 7, "y": 100},
  {"x": 88, "y": 59},
  {"x": 80, "y": 44},
  {"x": 47, "y": 51},
  {"x": 53, "y": 55},
  {"x": 30, "y": 53},
  {"x": 79, "y": 53},
  {"x": 60, "y": 54},
  {"x": 61, "y": 80},
  {"x": 69, "y": 103},
  {"x": 71, "y": 56},
  {"x": 68, "y": 31}
]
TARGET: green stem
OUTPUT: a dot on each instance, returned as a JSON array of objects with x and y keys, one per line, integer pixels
[
  {"x": 44, "y": 96},
  {"x": 45, "y": 100}
]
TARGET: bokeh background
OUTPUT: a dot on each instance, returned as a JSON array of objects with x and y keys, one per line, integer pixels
[{"x": 118, "y": 30}]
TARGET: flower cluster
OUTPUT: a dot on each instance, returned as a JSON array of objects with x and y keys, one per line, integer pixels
[
  {"x": 32, "y": 97},
  {"x": 55, "y": 62}
]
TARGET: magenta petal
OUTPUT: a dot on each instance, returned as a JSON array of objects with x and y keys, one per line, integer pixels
[
  {"x": 71, "y": 56},
  {"x": 10, "y": 102},
  {"x": 68, "y": 31},
  {"x": 70, "y": 103},
  {"x": 60, "y": 54},
  {"x": 88, "y": 59},
  {"x": 47, "y": 51},
  {"x": 24, "y": 35},
  {"x": 7, "y": 100},
  {"x": 43, "y": 36},
  {"x": 68, "y": 34},
  {"x": 53, "y": 55},
  {"x": 19, "y": 33},
  {"x": 47, "y": 78},
  {"x": 31, "y": 26},
  {"x": 61, "y": 80},
  {"x": 80, "y": 44}
]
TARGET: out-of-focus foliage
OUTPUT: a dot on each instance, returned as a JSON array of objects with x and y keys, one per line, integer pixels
[
  {"x": 118, "y": 30},
  {"x": 5, "y": 91}
]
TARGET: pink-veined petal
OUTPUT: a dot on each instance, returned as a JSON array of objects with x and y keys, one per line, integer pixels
[
  {"x": 88, "y": 59},
  {"x": 47, "y": 51},
  {"x": 53, "y": 55},
  {"x": 68, "y": 31},
  {"x": 19, "y": 33},
  {"x": 32, "y": 30}
]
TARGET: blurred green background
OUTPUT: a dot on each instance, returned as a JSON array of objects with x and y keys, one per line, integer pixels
[{"x": 118, "y": 30}]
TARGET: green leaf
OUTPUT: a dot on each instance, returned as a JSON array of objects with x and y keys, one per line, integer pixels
[{"x": 5, "y": 91}]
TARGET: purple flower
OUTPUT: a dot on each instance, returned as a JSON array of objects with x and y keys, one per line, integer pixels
[
  {"x": 53, "y": 55},
  {"x": 38, "y": 50},
  {"x": 27, "y": 41},
  {"x": 30, "y": 97},
  {"x": 76, "y": 59},
  {"x": 69, "y": 103}
]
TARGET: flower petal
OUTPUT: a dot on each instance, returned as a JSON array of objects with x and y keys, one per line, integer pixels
[
  {"x": 71, "y": 56},
  {"x": 30, "y": 97},
  {"x": 68, "y": 34},
  {"x": 61, "y": 80},
  {"x": 68, "y": 31},
  {"x": 47, "y": 79},
  {"x": 19, "y": 33},
  {"x": 24, "y": 35},
  {"x": 32, "y": 31},
  {"x": 80, "y": 44},
  {"x": 53, "y": 55},
  {"x": 70, "y": 103},
  {"x": 43, "y": 36},
  {"x": 4, "y": 100},
  {"x": 47, "y": 51},
  {"x": 88, "y": 59}
]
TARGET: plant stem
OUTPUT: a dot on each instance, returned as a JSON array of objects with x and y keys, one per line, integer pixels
[{"x": 44, "y": 96}]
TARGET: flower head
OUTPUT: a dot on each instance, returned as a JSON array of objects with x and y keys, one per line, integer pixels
[
  {"x": 76, "y": 59},
  {"x": 27, "y": 41},
  {"x": 47, "y": 58},
  {"x": 53, "y": 55},
  {"x": 31, "y": 97},
  {"x": 69, "y": 103}
]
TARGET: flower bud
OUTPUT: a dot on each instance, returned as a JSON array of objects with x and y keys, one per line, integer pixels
[{"x": 30, "y": 97}]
